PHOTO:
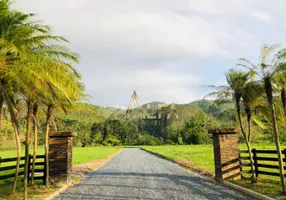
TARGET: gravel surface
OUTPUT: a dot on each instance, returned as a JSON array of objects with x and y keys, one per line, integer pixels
[{"x": 136, "y": 174}]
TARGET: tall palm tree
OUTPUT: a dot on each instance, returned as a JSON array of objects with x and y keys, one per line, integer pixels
[
  {"x": 252, "y": 100},
  {"x": 237, "y": 81},
  {"x": 271, "y": 65},
  {"x": 280, "y": 83},
  {"x": 28, "y": 66}
]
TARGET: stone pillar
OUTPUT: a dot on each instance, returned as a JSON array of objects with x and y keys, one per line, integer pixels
[
  {"x": 60, "y": 156},
  {"x": 226, "y": 154}
]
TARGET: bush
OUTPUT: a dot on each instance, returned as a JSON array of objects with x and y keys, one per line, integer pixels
[{"x": 111, "y": 140}]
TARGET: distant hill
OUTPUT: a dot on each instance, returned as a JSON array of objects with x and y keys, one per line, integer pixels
[{"x": 209, "y": 107}]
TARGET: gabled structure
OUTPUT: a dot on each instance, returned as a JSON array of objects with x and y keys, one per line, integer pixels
[
  {"x": 134, "y": 104},
  {"x": 172, "y": 110}
]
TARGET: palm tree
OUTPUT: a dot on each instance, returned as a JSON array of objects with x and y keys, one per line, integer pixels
[
  {"x": 35, "y": 142},
  {"x": 237, "y": 81},
  {"x": 28, "y": 66},
  {"x": 280, "y": 83},
  {"x": 252, "y": 100},
  {"x": 271, "y": 65}
]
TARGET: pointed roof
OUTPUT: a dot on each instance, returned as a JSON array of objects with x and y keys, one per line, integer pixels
[
  {"x": 172, "y": 110},
  {"x": 134, "y": 104}
]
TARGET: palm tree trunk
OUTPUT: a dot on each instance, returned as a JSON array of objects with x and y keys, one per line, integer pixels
[
  {"x": 47, "y": 129},
  {"x": 55, "y": 124},
  {"x": 1, "y": 110},
  {"x": 27, "y": 145},
  {"x": 248, "y": 144},
  {"x": 283, "y": 99},
  {"x": 269, "y": 93},
  {"x": 35, "y": 119},
  {"x": 18, "y": 146},
  {"x": 248, "y": 115},
  {"x": 16, "y": 128},
  {"x": 253, "y": 177}
]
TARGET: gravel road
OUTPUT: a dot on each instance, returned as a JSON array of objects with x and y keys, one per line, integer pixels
[{"x": 136, "y": 174}]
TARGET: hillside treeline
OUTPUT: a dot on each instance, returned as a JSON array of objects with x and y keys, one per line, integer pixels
[{"x": 106, "y": 126}]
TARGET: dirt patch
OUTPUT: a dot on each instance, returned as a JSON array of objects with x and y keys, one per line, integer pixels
[{"x": 193, "y": 167}]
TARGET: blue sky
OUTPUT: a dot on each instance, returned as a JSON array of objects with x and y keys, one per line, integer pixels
[{"x": 166, "y": 50}]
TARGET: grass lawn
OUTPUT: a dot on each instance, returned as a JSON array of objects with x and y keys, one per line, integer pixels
[
  {"x": 80, "y": 155},
  {"x": 193, "y": 153},
  {"x": 202, "y": 156}
]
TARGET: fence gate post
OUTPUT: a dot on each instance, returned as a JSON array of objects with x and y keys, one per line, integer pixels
[
  {"x": 255, "y": 162},
  {"x": 226, "y": 154},
  {"x": 45, "y": 174},
  {"x": 60, "y": 156}
]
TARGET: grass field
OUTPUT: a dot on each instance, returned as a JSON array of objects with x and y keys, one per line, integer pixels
[
  {"x": 202, "y": 156},
  {"x": 80, "y": 155}
]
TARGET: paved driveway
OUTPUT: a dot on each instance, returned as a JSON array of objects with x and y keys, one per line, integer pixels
[{"x": 136, "y": 174}]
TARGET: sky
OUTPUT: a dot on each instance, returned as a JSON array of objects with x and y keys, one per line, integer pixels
[{"x": 166, "y": 50}]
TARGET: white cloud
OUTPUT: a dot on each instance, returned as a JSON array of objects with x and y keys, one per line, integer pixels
[
  {"x": 262, "y": 16},
  {"x": 160, "y": 48},
  {"x": 156, "y": 84}
]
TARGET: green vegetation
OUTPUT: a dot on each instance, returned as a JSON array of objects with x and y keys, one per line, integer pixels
[
  {"x": 259, "y": 95},
  {"x": 83, "y": 155},
  {"x": 80, "y": 155},
  {"x": 37, "y": 75},
  {"x": 39, "y": 86},
  {"x": 202, "y": 157},
  {"x": 193, "y": 153}
]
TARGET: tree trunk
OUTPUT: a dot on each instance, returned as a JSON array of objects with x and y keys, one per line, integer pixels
[
  {"x": 55, "y": 124},
  {"x": 269, "y": 93},
  {"x": 16, "y": 128},
  {"x": 253, "y": 177},
  {"x": 47, "y": 129},
  {"x": 27, "y": 145},
  {"x": 1, "y": 110},
  {"x": 283, "y": 99},
  {"x": 18, "y": 146},
  {"x": 248, "y": 115},
  {"x": 35, "y": 120}
]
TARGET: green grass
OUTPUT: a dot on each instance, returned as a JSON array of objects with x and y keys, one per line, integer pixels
[
  {"x": 202, "y": 155},
  {"x": 80, "y": 155}
]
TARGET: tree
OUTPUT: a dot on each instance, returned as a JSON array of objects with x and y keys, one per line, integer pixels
[
  {"x": 271, "y": 65},
  {"x": 34, "y": 68},
  {"x": 252, "y": 100},
  {"x": 237, "y": 81}
]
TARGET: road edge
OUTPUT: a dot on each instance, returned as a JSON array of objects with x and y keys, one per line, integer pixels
[
  {"x": 227, "y": 183},
  {"x": 56, "y": 193},
  {"x": 247, "y": 191},
  {"x": 65, "y": 187}
]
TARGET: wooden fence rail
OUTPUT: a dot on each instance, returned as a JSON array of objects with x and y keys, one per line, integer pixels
[
  {"x": 262, "y": 159},
  {"x": 5, "y": 171}
]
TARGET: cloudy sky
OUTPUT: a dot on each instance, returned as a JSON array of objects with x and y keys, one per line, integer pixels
[{"x": 166, "y": 50}]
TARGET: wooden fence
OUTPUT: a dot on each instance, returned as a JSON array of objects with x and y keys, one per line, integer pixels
[
  {"x": 8, "y": 171},
  {"x": 265, "y": 162}
]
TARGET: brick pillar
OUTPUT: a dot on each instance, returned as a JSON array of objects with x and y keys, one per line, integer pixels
[
  {"x": 226, "y": 154},
  {"x": 60, "y": 156}
]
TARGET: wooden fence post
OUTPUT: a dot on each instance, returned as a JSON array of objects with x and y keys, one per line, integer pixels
[
  {"x": 255, "y": 162},
  {"x": 240, "y": 163},
  {"x": 45, "y": 171},
  {"x": 29, "y": 167},
  {"x": 285, "y": 159}
]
